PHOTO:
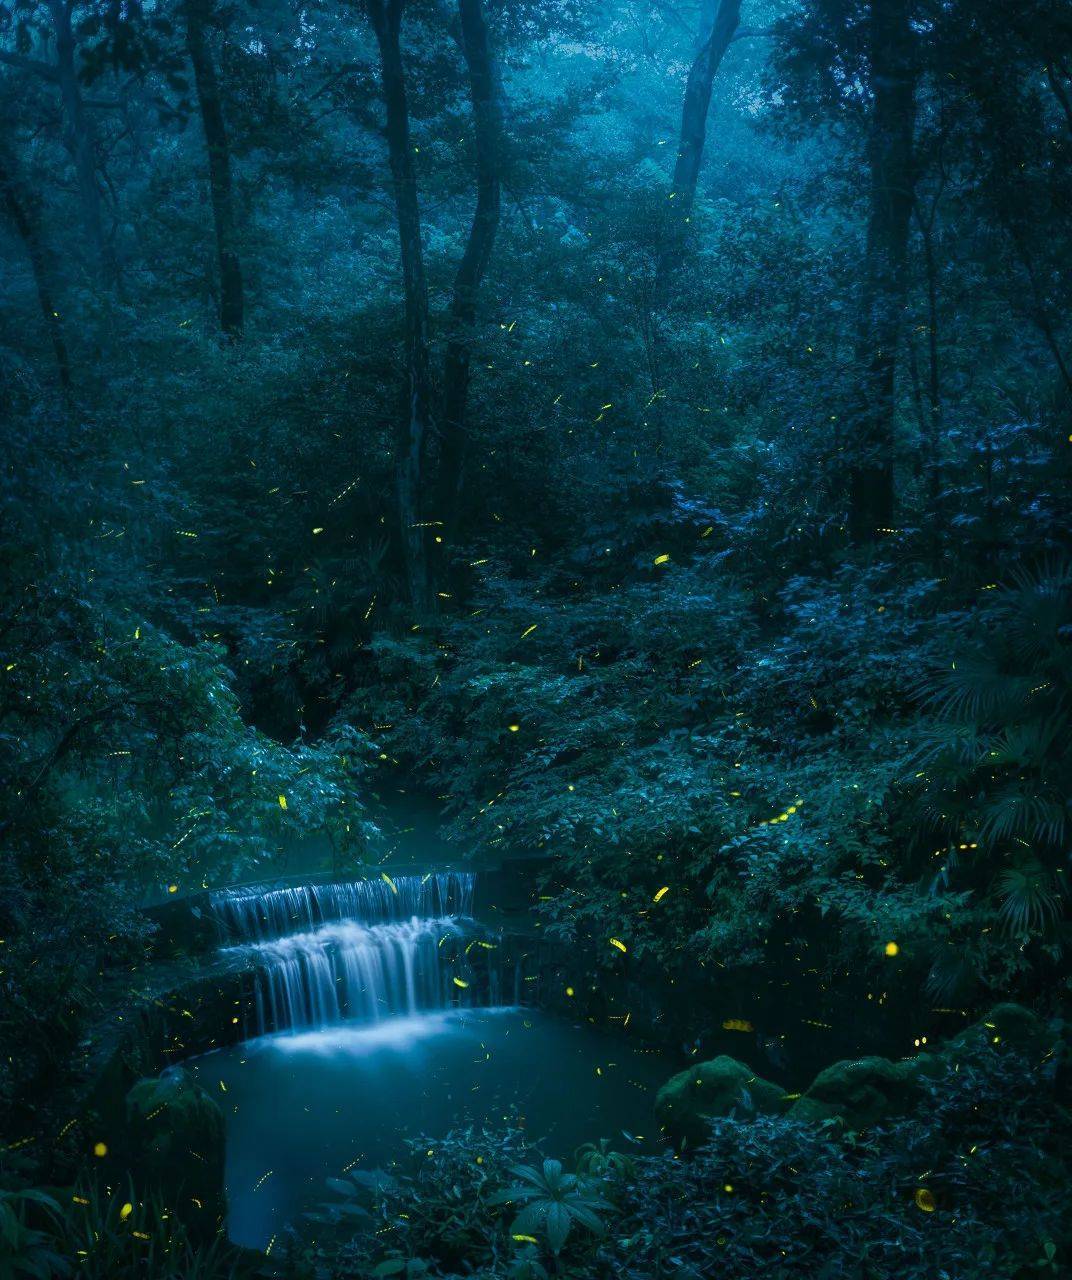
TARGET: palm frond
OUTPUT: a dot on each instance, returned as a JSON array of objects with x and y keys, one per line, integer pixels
[
  {"x": 1030, "y": 901},
  {"x": 976, "y": 689},
  {"x": 1027, "y": 745},
  {"x": 1016, "y": 810},
  {"x": 1035, "y": 610},
  {"x": 953, "y": 974}
]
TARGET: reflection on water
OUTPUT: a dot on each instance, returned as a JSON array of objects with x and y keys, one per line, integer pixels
[
  {"x": 396, "y": 1015},
  {"x": 307, "y": 1106},
  {"x": 360, "y": 1041}
]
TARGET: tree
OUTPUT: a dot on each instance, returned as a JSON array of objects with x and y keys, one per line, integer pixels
[
  {"x": 22, "y": 215},
  {"x": 893, "y": 74},
  {"x": 415, "y": 423},
  {"x": 487, "y": 124},
  {"x": 196, "y": 15},
  {"x": 697, "y": 102},
  {"x": 418, "y": 424},
  {"x": 79, "y": 135}
]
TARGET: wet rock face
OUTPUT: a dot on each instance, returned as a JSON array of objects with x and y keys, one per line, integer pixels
[
  {"x": 175, "y": 1135},
  {"x": 721, "y": 1087}
]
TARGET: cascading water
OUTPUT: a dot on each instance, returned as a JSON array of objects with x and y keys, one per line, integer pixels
[
  {"x": 363, "y": 950},
  {"x": 383, "y": 1009},
  {"x": 255, "y": 914}
]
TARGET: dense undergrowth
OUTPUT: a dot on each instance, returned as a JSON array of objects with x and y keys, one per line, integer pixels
[
  {"x": 870, "y": 755},
  {"x": 750, "y": 747},
  {"x": 939, "y": 1193},
  {"x": 972, "y": 1183}
]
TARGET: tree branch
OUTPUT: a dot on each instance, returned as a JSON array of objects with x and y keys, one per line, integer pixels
[
  {"x": 53, "y": 757},
  {"x": 43, "y": 69}
]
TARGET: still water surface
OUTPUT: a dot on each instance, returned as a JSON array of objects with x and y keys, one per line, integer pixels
[{"x": 302, "y": 1107}]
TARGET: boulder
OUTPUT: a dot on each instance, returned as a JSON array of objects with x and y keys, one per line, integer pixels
[
  {"x": 721, "y": 1087},
  {"x": 857, "y": 1093},
  {"x": 1008, "y": 1025},
  {"x": 175, "y": 1135},
  {"x": 860, "y": 1092}
]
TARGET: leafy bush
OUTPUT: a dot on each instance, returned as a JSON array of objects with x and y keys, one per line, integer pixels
[
  {"x": 109, "y": 1235},
  {"x": 997, "y": 778},
  {"x": 435, "y": 1210},
  {"x": 975, "y": 1184},
  {"x": 26, "y": 1250},
  {"x": 103, "y": 1236},
  {"x": 554, "y": 1203}
]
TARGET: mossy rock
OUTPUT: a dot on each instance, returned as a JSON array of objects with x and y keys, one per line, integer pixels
[
  {"x": 721, "y": 1087},
  {"x": 860, "y": 1092},
  {"x": 863, "y": 1092},
  {"x": 1009, "y": 1026},
  {"x": 175, "y": 1133}
]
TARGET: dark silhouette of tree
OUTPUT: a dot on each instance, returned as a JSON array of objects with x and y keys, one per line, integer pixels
[
  {"x": 487, "y": 127},
  {"x": 197, "y": 16},
  {"x": 19, "y": 207},
  {"x": 894, "y": 71}
]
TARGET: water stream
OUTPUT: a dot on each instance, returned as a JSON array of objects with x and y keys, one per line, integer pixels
[
  {"x": 384, "y": 1010},
  {"x": 364, "y": 950}
]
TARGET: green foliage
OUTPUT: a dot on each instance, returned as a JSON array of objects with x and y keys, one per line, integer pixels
[
  {"x": 554, "y": 1202},
  {"x": 785, "y": 765},
  {"x": 175, "y": 1133},
  {"x": 940, "y": 1191},
  {"x": 436, "y": 1210},
  {"x": 722, "y": 1087},
  {"x": 600, "y": 1160},
  {"x": 971, "y": 1180},
  {"x": 748, "y": 751},
  {"x": 113, "y": 1235},
  {"x": 682, "y": 733},
  {"x": 102, "y": 1235},
  {"x": 997, "y": 768},
  {"x": 26, "y": 1250}
]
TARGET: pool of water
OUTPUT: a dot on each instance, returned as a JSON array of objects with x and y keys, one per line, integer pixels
[{"x": 302, "y": 1107}]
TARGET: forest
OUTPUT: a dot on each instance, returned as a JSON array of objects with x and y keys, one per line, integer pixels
[{"x": 536, "y": 639}]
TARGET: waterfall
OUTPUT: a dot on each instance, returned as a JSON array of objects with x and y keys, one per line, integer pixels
[
  {"x": 362, "y": 951},
  {"x": 258, "y": 913}
]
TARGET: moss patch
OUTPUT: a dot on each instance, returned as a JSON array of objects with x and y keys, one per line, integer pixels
[{"x": 721, "y": 1087}]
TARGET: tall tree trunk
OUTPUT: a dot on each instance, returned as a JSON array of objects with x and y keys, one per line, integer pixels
[
  {"x": 1057, "y": 75},
  {"x": 934, "y": 383},
  {"x": 20, "y": 211},
  {"x": 487, "y": 125},
  {"x": 893, "y": 110},
  {"x": 79, "y": 134},
  {"x": 197, "y": 14},
  {"x": 697, "y": 102},
  {"x": 707, "y": 15},
  {"x": 415, "y": 426},
  {"x": 1041, "y": 310}
]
